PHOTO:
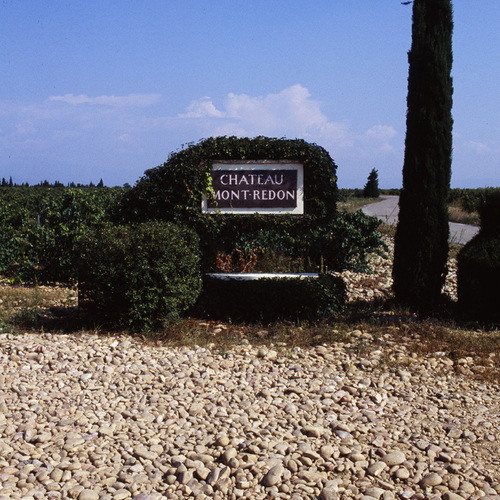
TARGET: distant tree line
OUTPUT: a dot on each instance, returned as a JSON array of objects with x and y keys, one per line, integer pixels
[{"x": 46, "y": 183}]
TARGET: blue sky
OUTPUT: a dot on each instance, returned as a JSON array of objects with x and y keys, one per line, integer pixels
[{"x": 108, "y": 88}]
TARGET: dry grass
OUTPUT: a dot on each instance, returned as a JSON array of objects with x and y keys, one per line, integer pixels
[
  {"x": 22, "y": 305},
  {"x": 472, "y": 352},
  {"x": 457, "y": 214},
  {"x": 353, "y": 204},
  {"x": 388, "y": 229}
]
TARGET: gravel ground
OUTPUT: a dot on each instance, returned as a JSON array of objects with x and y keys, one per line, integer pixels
[{"x": 87, "y": 417}]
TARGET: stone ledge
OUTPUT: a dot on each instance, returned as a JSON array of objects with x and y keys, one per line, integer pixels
[{"x": 259, "y": 276}]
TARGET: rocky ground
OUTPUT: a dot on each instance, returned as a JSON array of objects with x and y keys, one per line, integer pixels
[
  {"x": 377, "y": 285},
  {"x": 88, "y": 416}
]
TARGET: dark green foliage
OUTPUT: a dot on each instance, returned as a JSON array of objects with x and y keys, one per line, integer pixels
[
  {"x": 478, "y": 273},
  {"x": 40, "y": 229},
  {"x": 345, "y": 193},
  {"x": 346, "y": 242},
  {"x": 139, "y": 276},
  {"x": 273, "y": 299},
  {"x": 371, "y": 187},
  {"x": 322, "y": 238},
  {"x": 47, "y": 184},
  {"x": 173, "y": 191},
  {"x": 489, "y": 212},
  {"x": 421, "y": 242},
  {"x": 478, "y": 277},
  {"x": 342, "y": 243},
  {"x": 469, "y": 199}
]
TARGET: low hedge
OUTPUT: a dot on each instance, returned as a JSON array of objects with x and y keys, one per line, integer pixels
[
  {"x": 139, "y": 276},
  {"x": 272, "y": 299}
]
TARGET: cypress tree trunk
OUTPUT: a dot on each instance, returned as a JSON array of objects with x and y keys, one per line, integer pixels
[{"x": 421, "y": 242}]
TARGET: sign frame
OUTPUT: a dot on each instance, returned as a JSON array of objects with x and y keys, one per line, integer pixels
[{"x": 262, "y": 165}]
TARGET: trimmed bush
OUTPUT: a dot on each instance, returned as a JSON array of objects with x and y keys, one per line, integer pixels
[
  {"x": 478, "y": 276},
  {"x": 139, "y": 276},
  {"x": 273, "y": 299},
  {"x": 173, "y": 191},
  {"x": 489, "y": 211}
]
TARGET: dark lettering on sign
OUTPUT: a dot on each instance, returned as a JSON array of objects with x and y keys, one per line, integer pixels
[{"x": 254, "y": 189}]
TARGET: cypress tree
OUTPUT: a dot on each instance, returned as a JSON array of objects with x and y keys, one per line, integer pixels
[
  {"x": 421, "y": 241},
  {"x": 371, "y": 189}
]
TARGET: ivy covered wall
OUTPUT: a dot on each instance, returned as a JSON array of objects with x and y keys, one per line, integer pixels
[
  {"x": 174, "y": 189},
  {"x": 319, "y": 240}
]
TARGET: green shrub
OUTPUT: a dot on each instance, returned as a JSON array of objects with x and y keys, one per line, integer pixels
[
  {"x": 469, "y": 199},
  {"x": 271, "y": 299},
  {"x": 173, "y": 191},
  {"x": 489, "y": 211},
  {"x": 346, "y": 241},
  {"x": 139, "y": 276},
  {"x": 345, "y": 193},
  {"x": 343, "y": 242},
  {"x": 478, "y": 275}
]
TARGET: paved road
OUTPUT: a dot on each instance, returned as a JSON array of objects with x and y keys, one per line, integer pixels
[{"x": 387, "y": 210}]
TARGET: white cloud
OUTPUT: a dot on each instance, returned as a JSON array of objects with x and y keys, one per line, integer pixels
[
  {"x": 478, "y": 147},
  {"x": 293, "y": 113},
  {"x": 130, "y": 100},
  {"x": 202, "y": 108},
  {"x": 290, "y": 113},
  {"x": 381, "y": 136},
  {"x": 383, "y": 132}
]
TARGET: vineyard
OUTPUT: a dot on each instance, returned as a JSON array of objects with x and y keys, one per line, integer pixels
[{"x": 40, "y": 229}]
